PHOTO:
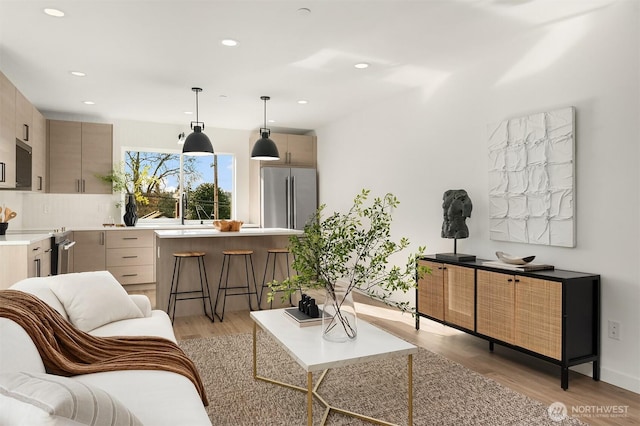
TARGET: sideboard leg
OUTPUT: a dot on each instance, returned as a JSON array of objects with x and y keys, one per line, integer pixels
[
  {"x": 596, "y": 370},
  {"x": 417, "y": 322},
  {"x": 564, "y": 381},
  {"x": 491, "y": 346}
]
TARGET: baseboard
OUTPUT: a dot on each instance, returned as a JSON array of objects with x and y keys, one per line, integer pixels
[{"x": 612, "y": 377}]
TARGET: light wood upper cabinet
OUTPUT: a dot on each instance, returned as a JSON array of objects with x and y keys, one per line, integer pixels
[
  {"x": 7, "y": 133},
  {"x": 77, "y": 153},
  {"x": 294, "y": 150},
  {"x": 301, "y": 150},
  {"x": 39, "y": 152},
  {"x": 97, "y": 157},
  {"x": 24, "y": 118}
]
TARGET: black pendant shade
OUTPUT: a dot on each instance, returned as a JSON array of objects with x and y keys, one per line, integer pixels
[
  {"x": 265, "y": 149},
  {"x": 197, "y": 143}
]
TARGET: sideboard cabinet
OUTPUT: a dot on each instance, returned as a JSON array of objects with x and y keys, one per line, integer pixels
[{"x": 552, "y": 315}]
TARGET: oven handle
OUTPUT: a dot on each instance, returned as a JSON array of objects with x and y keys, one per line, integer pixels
[{"x": 66, "y": 245}]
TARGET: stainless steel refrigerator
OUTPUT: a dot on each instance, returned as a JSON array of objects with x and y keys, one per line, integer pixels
[{"x": 289, "y": 196}]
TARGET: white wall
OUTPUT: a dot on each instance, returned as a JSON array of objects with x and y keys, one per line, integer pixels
[{"x": 418, "y": 145}]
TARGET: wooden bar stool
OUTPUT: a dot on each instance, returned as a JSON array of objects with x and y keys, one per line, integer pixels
[
  {"x": 274, "y": 252},
  {"x": 175, "y": 296},
  {"x": 226, "y": 262}
]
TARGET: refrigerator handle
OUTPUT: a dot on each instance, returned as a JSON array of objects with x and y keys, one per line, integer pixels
[
  {"x": 287, "y": 199},
  {"x": 294, "y": 204}
]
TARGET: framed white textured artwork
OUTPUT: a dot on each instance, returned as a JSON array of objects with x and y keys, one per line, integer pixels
[{"x": 532, "y": 179}]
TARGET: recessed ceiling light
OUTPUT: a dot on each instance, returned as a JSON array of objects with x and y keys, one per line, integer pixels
[
  {"x": 188, "y": 112},
  {"x": 222, "y": 96},
  {"x": 303, "y": 102},
  {"x": 88, "y": 102},
  {"x": 272, "y": 121},
  {"x": 54, "y": 12},
  {"x": 362, "y": 65},
  {"x": 304, "y": 11},
  {"x": 229, "y": 42},
  {"x": 78, "y": 73}
]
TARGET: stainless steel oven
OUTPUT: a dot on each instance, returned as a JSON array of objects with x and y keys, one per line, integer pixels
[{"x": 60, "y": 255}]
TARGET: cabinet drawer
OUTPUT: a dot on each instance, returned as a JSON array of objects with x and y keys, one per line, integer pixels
[
  {"x": 122, "y": 239},
  {"x": 132, "y": 274},
  {"x": 129, "y": 256}
]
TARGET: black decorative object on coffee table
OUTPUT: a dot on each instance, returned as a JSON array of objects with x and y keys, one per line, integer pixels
[{"x": 308, "y": 305}]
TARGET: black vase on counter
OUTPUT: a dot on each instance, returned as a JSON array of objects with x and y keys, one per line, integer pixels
[{"x": 131, "y": 211}]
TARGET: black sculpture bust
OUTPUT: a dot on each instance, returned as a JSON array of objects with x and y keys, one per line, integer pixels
[{"x": 456, "y": 208}]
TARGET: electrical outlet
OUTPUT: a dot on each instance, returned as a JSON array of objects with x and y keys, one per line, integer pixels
[{"x": 614, "y": 330}]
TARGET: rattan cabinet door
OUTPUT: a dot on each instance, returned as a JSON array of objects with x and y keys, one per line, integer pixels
[
  {"x": 495, "y": 306},
  {"x": 459, "y": 295},
  {"x": 431, "y": 291},
  {"x": 538, "y": 314}
]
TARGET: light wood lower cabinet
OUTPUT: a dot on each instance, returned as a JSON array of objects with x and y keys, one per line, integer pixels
[
  {"x": 553, "y": 315},
  {"x": 130, "y": 256},
  {"x": 89, "y": 251},
  {"x": 18, "y": 262},
  {"x": 39, "y": 259}
]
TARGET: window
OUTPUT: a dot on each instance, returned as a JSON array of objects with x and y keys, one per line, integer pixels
[{"x": 155, "y": 177}]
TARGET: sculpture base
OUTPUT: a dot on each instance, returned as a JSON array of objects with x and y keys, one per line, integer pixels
[{"x": 456, "y": 257}]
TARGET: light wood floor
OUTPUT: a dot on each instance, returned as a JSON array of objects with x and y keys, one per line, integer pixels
[{"x": 525, "y": 374}]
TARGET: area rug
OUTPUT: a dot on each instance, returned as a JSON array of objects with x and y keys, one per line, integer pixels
[{"x": 445, "y": 393}]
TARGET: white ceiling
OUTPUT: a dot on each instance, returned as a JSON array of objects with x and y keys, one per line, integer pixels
[{"x": 142, "y": 57}]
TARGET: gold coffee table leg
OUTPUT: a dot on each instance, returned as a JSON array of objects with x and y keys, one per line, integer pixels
[
  {"x": 310, "y": 398},
  {"x": 410, "y": 375}
]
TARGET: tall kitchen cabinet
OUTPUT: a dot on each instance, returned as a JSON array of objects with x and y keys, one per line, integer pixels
[
  {"x": 294, "y": 150},
  {"x": 7, "y": 133},
  {"x": 39, "y": 152},
  {"x": 552, "y": 315},
  {"x": 78, "y": 152}
]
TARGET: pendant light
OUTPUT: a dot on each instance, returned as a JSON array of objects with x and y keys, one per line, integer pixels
[
  {"x": 265, "y": 149},
  {"x": 197, "y": 143}
]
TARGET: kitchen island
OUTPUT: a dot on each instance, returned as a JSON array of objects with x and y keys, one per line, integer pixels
[{"x": 213, "y": 242}]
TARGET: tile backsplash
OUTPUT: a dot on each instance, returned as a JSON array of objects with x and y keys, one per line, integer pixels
[{"x": 50, "y": 211}]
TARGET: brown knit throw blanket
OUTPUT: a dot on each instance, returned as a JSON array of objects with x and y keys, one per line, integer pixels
[{"x": 67, "y": 351}]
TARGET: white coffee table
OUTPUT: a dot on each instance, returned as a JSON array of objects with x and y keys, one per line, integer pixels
[{"x": 313, "y": 353}]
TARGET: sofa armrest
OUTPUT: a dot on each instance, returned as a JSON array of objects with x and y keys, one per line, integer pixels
[{"x": 143, "y": 303}]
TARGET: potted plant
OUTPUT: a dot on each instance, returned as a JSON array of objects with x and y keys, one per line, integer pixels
[{"x": 347, "y": 251}]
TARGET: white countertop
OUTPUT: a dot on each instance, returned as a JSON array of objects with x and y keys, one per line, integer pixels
[
  {"x": 205, "y": 233},
  {"x": 18, "y": 239}
]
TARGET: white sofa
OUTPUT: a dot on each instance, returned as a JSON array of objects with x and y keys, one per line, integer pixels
[{"x": 154, "y": 397}]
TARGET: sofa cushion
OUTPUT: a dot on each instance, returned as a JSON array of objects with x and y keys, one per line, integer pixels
[
  {"x": 93, "y": 299},
  {"x": 158, "y": 398},
  {"x": 41, "y": 288},
  {"x": 17, "y": 350},
  {"x": 40, "y": 398},
  {"x": 157, "y": 324}
]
